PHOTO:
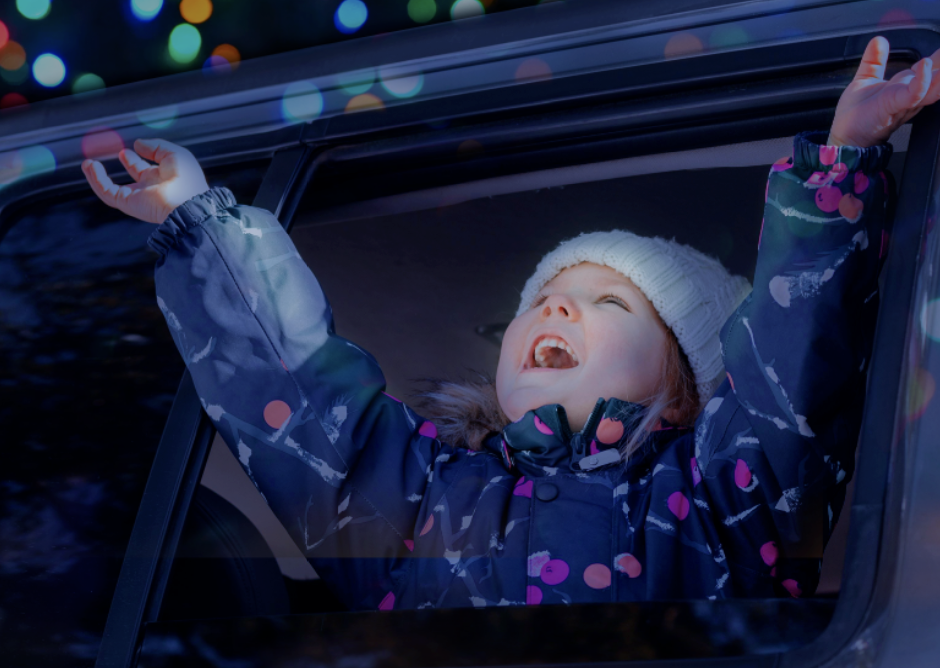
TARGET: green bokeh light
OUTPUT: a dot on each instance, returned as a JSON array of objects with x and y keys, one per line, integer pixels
[
  {"x": 33, "y": 9},
  {"x": 87, "y": 83},
  {"x": 421, "y": 11},
  {"x": 160, "y": 117},
  {"x": 185, "y": 41},
  {"x": 357, "y": 82},
  {"x": 464, "y": 9}
]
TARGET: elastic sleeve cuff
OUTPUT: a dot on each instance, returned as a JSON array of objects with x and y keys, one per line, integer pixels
[
  {"x": 188, "y": 214},
  {"x": 810, "y": 153}
]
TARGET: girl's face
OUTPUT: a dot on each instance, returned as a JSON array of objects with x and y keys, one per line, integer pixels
[{"x": 590, "y": 333}]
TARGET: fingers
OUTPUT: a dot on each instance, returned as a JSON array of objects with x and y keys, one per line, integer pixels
[
  {"x": 874, "y": 60},
  {"x": 100, "y": 182},
  {"x": 156, "y": 150},
  {"x": 140, "y": 170}
]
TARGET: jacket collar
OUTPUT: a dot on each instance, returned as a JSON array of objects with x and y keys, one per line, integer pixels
[{"x": 541, "y": 443}]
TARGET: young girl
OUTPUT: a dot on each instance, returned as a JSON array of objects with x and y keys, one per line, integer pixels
[{"x": 629, "y": 451}]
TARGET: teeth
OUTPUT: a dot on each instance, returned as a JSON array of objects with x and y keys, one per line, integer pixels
[{"x": 552, "y": 343}]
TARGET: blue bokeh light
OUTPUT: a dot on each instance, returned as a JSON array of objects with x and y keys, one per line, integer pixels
[
  {"x": 146, "y": 10},
  {"x": 350, "y": 16}
]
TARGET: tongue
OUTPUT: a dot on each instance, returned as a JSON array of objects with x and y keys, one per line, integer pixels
[{"x": 557, "y": 358}]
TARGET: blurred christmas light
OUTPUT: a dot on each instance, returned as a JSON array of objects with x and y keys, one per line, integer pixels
[
  {"x": 533, "y": 69},
  {"x": 4, "y": 34},
  {"x": 33, "y": 9},
  {"x": 160, "y": 117},
  {"x": 357, "y": 82},
  {"x": 15, "y": 77},
  {"x": 185, "y": 41},
  {"x": 48, "y": 70},
  {"x": 229, "y": 52},
  {"x": 12, "y": 56},
  {"x": 464, "y": 9},
  {"x": 101, "y": 143},
  {"x": 400, "y": 84},
  {"x": 363, "y": 102},
  {"x": 421, "y": 11},
  {"x": 146, "y": 10},
  {"x": 11, "y": 100},
  {"x": 196, "y": 11},
  {"x": 350, "y": 16},
  {"x": 683, "y": 44},
  {"x": 216, "y": 65},
  {"x": 302, "y": 102},
  {"x": 728, "y": 36},
  {"x": 87, "y": 83}
]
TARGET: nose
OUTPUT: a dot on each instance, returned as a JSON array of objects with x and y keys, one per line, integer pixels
[{"x": 560, "y": 306}]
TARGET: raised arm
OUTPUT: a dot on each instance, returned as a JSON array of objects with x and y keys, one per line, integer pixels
[
  {"x": 342, "y": 465},
  {"x": 776, "y": 445}
]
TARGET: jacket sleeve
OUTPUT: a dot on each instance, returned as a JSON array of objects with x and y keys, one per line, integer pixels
[
  {"x": 776, "y": 444},
  {"x": 343, "y": 465}
]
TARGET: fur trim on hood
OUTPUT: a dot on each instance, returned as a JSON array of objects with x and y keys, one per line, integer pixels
[{"x": 465, "y": 412}]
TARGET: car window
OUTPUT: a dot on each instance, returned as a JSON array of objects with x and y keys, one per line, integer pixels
[
  {"x": 87, "y": 377},
  {"x": 428, "y": 291}
]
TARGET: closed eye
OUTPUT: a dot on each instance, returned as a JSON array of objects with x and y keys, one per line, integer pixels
[{"x": 615, "y": 299}]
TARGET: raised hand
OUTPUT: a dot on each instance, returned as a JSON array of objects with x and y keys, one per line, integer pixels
[
  {"x": 871, "y": 108},
  {"x": 175, "y": 179}
]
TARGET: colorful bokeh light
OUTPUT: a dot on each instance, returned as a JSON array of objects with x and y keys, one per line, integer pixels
[
  {"x": 682, "y": 44},
  {"x": 11, "y": 100},
  {"x": 363, "y": 102},
  {"x": 25, "y": 162},
  {"x": 724, "y": 37},
  {"x": 920, "y": 391},
  {"x": 87, "y": 82},
  {"x": 302, "y": 102},
  {"x": 350, "y": 16},
  {"x": 12, "y": 56},
  {"x": 357, "y": 82},
  {"x": 101, "y": 143},
  {"x": 930, "y": 319},
  {"x": 146, "y": 10},
  {"x": 196, "y": 11},
  {"x": 465, "y": 9},
  {"x": 421, "y": 11},
  {"x": 533, "y": 69},
  {"x": 33, "y": 9},
  {"x": 230, "y": 53},
  {"x": 401, "y": 84},
  {"x": 185, "y": 41},
  {"x": 160, "y": 117},
  {"x": 216, "y": 65},
  {"x": 48, "y": 70}
]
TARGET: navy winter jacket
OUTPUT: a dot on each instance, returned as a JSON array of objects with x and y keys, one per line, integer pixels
[{"x": 740, "y": 505}]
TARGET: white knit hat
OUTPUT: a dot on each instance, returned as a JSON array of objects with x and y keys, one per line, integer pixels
[{"x": 693, "y": 293}]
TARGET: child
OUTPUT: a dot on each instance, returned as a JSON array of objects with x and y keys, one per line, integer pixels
[{"x": 626, "y": 460}]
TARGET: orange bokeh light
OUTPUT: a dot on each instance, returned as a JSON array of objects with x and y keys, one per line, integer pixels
[
  {"x": 196, "y": 11},
  {"x": 683, "y": 44},
  {"x": 229, "y": 52},
  {"x": 533, "y": 69},
  {"x": 363, "y": 102},
  {"x": 12, "y": 56}
]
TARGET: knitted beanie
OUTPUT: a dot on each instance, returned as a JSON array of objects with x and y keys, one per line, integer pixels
[{"x": 693, "y": 293}]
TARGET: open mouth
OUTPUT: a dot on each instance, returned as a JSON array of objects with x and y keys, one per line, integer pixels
[{"x": 552, "y": 352}]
